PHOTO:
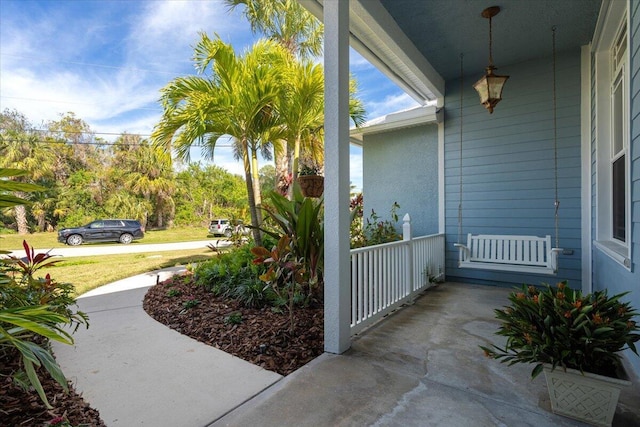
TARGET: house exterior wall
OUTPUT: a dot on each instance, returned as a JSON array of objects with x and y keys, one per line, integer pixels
[
  {"x": 608, "y": 273},
  {"x": 508, "y": 174},
  {"x": 402, "y": 166}
]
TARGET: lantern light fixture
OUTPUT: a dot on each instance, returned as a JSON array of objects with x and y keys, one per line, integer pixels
[{"x": 490, "y": 86}]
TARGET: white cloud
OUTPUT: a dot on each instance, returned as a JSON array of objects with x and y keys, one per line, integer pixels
[{"x": 389, "y": 104}]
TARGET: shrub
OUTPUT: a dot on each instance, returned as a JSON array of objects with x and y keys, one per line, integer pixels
[
  {"x": 234, "y": 275},
  {"x": 31, "y": 309},
  {"x": 561, "y": 327}
]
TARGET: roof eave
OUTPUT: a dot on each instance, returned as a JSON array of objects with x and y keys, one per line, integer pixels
[{"x": 375, "y": 35}]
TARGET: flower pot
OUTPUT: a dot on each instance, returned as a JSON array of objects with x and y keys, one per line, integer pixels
[
  {"x": 586, "y": 397},
  {"x": 311, "y": 185}
]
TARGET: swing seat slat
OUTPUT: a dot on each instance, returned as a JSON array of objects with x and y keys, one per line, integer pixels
[{"x": 523, "y": 254}]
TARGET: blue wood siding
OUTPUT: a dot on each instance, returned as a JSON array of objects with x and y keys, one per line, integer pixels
[
  {"x": 508, "y": 165},
  {"x": 402, "y": 166},
  {"x": 608, "y": 274}
]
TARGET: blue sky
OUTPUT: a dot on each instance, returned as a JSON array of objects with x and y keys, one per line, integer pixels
[{"x": 106, "y": 60}]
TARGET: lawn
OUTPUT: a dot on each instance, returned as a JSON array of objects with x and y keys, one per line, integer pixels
[{"x": 87, "y": 273}]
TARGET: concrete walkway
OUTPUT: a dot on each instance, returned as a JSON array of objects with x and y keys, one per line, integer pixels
[
  {"x": 420, "y": 367},
  {"x": 138, "y": 372}
]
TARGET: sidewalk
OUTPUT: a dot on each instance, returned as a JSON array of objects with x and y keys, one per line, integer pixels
[{"x": 139, "y": 372}]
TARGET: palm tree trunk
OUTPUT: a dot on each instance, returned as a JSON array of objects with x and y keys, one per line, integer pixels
[
  {"x": 253, "y": 210},
  {"x": 21, "y": 215},
  {"x": 282, "y": 170}
]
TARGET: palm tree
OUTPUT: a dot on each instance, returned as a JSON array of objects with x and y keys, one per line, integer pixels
[
  {"x": 285, "y": 22},
  {"x": 301, "y": 106},
  {"x": 238, "y": 100},
  {"x": 20, "y": 148}
]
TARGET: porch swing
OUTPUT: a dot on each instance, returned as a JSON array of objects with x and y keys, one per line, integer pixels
[{"x": 512, "y": 253}]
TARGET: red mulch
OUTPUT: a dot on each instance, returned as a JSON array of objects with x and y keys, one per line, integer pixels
[
  {"x": 262, "y": 337},
  {"x": 20, "y": 408}
]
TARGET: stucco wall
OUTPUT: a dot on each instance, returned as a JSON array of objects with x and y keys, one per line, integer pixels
[
  {"x": 508, "y": 165},
  {"x": 402, "y": 166}
]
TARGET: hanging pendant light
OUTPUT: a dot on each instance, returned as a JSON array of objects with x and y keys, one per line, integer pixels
[{"x": 489, "y": 87}]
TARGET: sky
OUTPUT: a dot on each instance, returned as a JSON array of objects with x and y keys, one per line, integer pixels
[{"x": 106, "y": 61}]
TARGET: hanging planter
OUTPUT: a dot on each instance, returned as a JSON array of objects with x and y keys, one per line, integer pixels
[
  {"x": 311, "y": 185},
  {"x": 586, "y": 397},
  {"x": 310, "y": 181}
]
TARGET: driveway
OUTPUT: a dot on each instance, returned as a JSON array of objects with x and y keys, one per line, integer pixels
[{"x": 116, "y": 248}]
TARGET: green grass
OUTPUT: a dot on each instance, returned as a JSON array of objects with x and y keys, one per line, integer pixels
[
  {"x": 10, "y": 242},
  {"x": 87, "y": 273}
]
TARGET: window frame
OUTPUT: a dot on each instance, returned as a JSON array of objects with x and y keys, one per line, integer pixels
[{"x": 612, "y": 70}]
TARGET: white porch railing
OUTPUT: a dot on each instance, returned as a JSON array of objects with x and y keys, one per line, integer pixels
[{"x": 385, "y": 276}]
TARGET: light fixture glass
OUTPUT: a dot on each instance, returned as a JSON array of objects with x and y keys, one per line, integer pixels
[{"x": 490, "y": 86}]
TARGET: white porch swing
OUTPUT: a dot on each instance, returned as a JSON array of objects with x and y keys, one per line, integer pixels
[{"x": 513, "y": 253}]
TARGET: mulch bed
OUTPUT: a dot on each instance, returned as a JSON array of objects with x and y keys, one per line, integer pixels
[
  {"x": 19, "y": 408},
  {"x": 262, "y": 337}
]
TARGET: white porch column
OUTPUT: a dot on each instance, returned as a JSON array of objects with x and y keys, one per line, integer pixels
[{"x": 336, "y": 195}]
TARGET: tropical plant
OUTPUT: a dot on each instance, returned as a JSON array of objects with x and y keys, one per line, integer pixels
[
  {"x": 301, "y": 102},
  {"x": 309, "y": 168},
  {"x": 373, "y": 230},
  {"x": 286, "y": 274},
  {"x": 563, "y": 328},
  {"x": 301, "y": 220},
  {"x": 234, "y": 275},
  {"x": 32, "y": 309},
  {"x": 20, "y": 149},
  {"x": 237, "y": 100}
]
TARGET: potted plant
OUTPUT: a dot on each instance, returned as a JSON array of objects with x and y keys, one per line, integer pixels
[
  {"x": 310, "y": 181},
  {"x": 575, "y": 340}
]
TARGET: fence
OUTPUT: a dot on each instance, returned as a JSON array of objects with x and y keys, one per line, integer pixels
[{"x": 385, "y": 276}]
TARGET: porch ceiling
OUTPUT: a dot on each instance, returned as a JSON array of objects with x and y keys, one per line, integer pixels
[
  {"x": 417, "y": 43},
  {"x": 442, "y": 29}
]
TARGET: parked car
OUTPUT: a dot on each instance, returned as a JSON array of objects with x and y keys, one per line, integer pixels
[
  {"x": 224, "y": 227},
  {"x": 104, "y": 230}
]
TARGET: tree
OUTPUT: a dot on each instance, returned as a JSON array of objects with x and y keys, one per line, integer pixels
[
  {"x": 285, "y": 22},
  {"x": 146, "y": 171},
  {"x": 20, "y": 148},
  {"x": 238, "y": 99},
  {"x": 301, "y": 106}
]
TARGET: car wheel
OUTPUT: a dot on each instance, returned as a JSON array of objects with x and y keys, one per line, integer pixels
[
  {"x": 228, "y": 233},
  {"x": 126, "y": 238},
  {"x": 74, "y": 240}
]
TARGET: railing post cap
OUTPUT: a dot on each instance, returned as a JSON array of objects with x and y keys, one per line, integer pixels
[{"x": 406, "y": 217}]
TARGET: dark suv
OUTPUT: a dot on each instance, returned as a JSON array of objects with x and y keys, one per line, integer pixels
[{"x": 104, "y": 230}]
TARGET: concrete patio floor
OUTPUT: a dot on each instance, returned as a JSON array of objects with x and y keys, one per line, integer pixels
[{"x": 420, "y": 367}]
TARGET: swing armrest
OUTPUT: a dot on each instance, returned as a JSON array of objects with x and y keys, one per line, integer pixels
[
  {"x": 465, "y": 253},
  {"x": 554, "y": 257}
]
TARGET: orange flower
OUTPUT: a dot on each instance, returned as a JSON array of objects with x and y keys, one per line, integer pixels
[
  {"x": 520, "y": 295},
  {"x": 561, "y": 285},
  {"x": 631, "y": 324},
  {"x": 567, "y": 314},
  {"x": 597, "y": 319},
  {"x": 622, "y": 310},
  {"x": 528, "y": 338},
  {"x": 577, "y": 304},
  {"x": 535, "y": 299},
  {"x": 560, "y": 295}
]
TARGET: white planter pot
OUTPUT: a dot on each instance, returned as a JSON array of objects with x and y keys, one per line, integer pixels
[{"x": 586, "y": 397}]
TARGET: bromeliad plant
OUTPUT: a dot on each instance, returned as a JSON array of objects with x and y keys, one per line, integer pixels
[
  {"x": 33, "y": 310},
  {"x": 563, "y": 328}
]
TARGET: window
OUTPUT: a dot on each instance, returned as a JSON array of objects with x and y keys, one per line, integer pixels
[{"x": 612, "y": 137}]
